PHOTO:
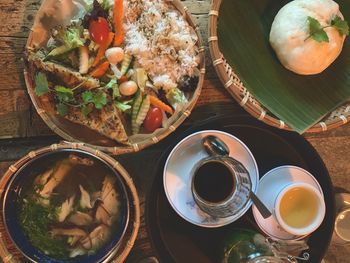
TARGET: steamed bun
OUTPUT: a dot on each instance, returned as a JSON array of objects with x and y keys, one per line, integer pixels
[{"x": 289, "y": 36}]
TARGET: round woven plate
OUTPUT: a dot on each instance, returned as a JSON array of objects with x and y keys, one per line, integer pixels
[
  {"x": 8, "y": 251},
  {"x": 76, "y": 133},
  {"x": 236, "y": 88}
]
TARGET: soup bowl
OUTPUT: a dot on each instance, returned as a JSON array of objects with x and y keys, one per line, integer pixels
[{"x": 22, "y": 182}]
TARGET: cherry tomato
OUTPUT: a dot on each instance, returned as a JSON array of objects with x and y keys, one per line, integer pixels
[
  {"x": 99, "y": 30},
  {"x": 153, "y": 119}
]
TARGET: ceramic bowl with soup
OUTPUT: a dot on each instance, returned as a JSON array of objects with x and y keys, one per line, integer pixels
[{"x": 66, "y": 206}]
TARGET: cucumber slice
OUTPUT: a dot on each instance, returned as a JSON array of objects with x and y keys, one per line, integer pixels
[
  {"x": 135, "y": 110},
  {"x": 141, "y": 115},
  {"x": 146, "y": 103}
]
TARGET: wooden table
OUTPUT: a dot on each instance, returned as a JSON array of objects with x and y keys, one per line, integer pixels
[{"x": 22, "y": 130}]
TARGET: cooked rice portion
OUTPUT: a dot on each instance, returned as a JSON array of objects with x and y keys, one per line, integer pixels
[{"x": 161, "y": 40}]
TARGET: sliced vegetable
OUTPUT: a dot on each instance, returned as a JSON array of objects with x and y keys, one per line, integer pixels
[
  {"x": 176, "y": 97},
  {"x": 128, "y": 88},
  {"x": 140, "y": 77},
  {"x": 135, "y": 110},
  {"x": 153, "y": 119},
  {"x": 83, "y": 59},
  {"x": 126, "y": 63},
  {"x": 101, "y": 51},
  {"x": 141, "y": 115},
  {"x": 70, "y": 38},
  {"x": 116, "y": 71},
  {"x": 118, "y": 13},
  {"x": 160, "y": 104},
  {"x": 114, "y": 55},
  {"x": 99, "y": 30},
  {"x": 130, "y": 73},
  {"x": 116, "y": 92},
  {"x": 100, "y": 70}
]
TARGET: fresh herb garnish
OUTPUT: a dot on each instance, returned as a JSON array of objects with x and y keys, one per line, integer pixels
[
  {"x": 99, "y": 99},
  {"x": 86, "y": 109},
  {"x": 341, "y": 25},
  {"x": 35, "y": 220},
  {"x": 66, "y": 98},
  {"x": 64, "y": 94},
  {"x": 317, "y": 32},
  {"x": 41, "y": 84},
  {"x": 123, "y": 105}
]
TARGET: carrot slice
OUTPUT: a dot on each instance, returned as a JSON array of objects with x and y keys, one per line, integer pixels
[
  {"x": 160, "y": 104},
  {"x": 100, "y": 70},
  {"x": 102, "y": 50},
  {"x": 118, "y": 13}
]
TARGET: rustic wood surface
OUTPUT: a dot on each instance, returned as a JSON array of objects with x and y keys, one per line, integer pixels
[{"x": 21, "y": 130}]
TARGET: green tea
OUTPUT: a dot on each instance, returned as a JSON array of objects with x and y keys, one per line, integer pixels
[{"x": 299, "y": 207}]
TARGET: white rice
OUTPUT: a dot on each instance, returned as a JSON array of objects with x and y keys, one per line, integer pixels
[{"x": 161, "y": 40}]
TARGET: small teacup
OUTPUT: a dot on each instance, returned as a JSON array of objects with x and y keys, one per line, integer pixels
[
  {"x": 299, "y": 208},
  {"x": 220, "y": 185}
]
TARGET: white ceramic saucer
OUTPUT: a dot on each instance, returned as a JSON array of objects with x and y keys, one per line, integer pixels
[
  {"x": 272, "y": 182},
  {"x": 177, "y": 172}
]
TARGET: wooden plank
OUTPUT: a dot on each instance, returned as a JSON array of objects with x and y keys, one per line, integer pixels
[
  {"x": 11, "y": 75},
  {"x": 13, "y": 100},
  {"x": 17, "y": 17},
  {"x": 213, "y": 91},
  {"x": 21, "y": 124}
]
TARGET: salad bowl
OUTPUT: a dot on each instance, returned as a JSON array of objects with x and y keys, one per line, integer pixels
[{"x": 117, "y": 130}]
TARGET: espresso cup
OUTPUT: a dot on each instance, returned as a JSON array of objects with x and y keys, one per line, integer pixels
[
  {"x": 220, "y": 186},
  {"x": 299, "y": 208}
]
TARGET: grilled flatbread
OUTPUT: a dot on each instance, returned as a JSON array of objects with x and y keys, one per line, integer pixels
[
  {"x": 68, "y": 76},
  {"x": 108, "y": 122}
]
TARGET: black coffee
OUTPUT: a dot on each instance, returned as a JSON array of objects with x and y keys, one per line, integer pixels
[{"x": 213, "y": 181}]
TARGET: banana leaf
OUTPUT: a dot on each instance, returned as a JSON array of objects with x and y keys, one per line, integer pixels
[{"x": 300, "y": 101}]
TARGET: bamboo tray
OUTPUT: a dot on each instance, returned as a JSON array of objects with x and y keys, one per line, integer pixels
[
  {"x": 236, "y": 88},
  {"x": 8, "y": 250},
  {"x": 76, "y": 133}
]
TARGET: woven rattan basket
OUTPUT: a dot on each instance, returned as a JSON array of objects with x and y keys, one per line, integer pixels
[
  {"x": 236, "y": 88},
  {"x": 8, "y": 251},
  {"x": 74, "y": 133}
]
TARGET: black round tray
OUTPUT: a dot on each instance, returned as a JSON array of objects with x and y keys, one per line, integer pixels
[{"x": 176, "y": 240}]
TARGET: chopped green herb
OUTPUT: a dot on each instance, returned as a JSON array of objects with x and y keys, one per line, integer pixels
[
  {"x": 100, "y": 99},
  {"x": 86, "y": 110},
  {"x": 64, "y": 94},
  {"x": 35, "y": 220},
  {"x": 87, "y": 96},
  {"x": 62, "y": 109},
  {"x": 123, "y": 105},
  {"x": 41, "y": 84}
]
